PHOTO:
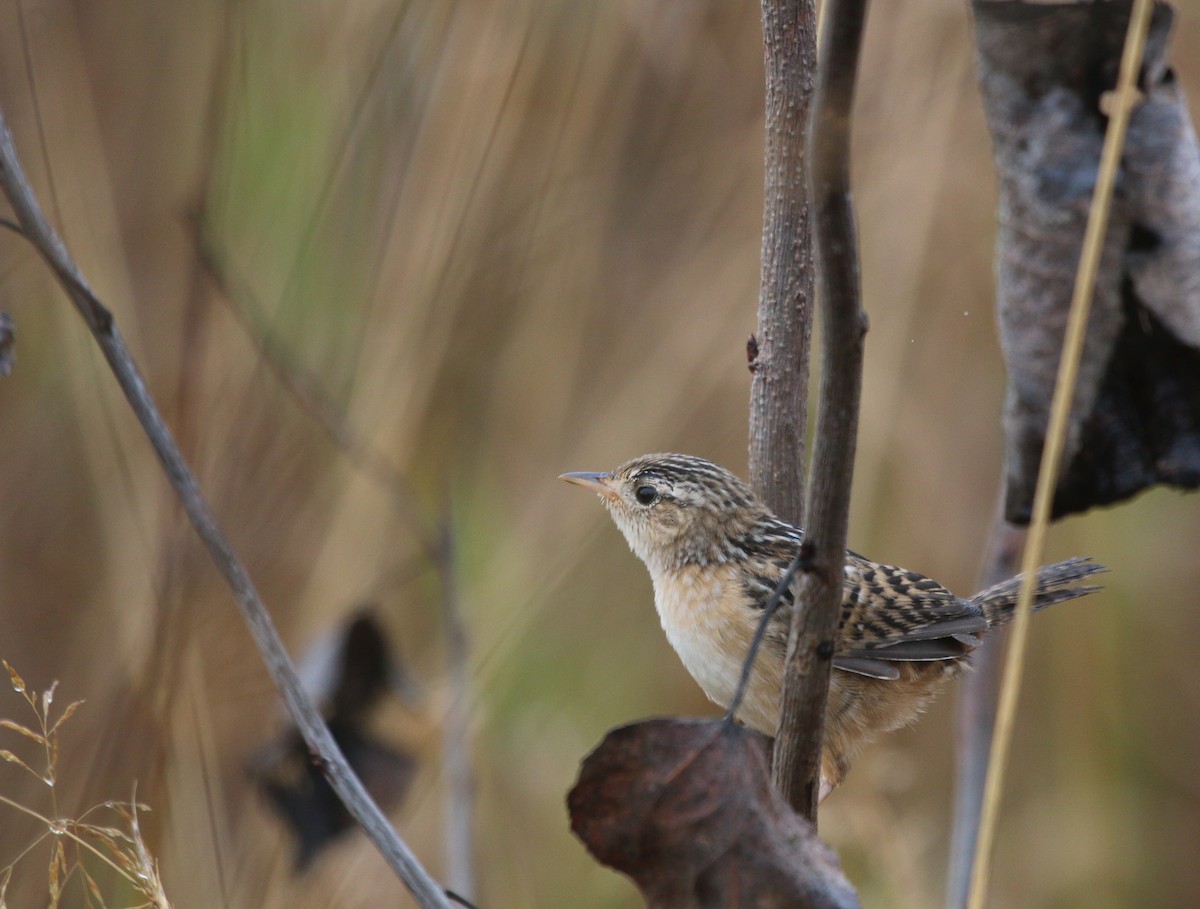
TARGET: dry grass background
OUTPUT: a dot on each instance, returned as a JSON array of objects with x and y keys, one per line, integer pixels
[{"x": 513, "y": 240}]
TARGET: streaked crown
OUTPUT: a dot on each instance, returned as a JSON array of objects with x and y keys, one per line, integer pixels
[{"x": 676, "y": 509}]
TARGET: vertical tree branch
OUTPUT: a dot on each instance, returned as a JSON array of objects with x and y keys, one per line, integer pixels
[
  {"x": 308, "y": 720},
  {"x": 779, "y": 350},
  {"x": 797, "y": 763}
]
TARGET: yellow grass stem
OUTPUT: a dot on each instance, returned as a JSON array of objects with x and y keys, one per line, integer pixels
[{"x": 1064, "y": 389}]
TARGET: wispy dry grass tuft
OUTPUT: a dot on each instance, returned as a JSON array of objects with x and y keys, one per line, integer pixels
[{"x": 72, "y": 840}]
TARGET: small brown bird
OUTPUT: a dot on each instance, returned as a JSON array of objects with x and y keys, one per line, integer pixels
[{"x": 715, "y": 555}]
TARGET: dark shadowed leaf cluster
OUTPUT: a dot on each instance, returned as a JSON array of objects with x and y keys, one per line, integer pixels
[
  {"x": 1045, "y": 74},
  {"x": 360, "y": 672}
]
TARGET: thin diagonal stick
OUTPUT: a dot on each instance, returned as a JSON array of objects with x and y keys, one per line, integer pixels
[
  {"x": 761, "y": 631},
  {"x": 308, "y": 720},
  {"x": 1064, "y": 392}
]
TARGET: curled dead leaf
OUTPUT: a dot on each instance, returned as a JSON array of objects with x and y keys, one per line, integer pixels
[
  {"x": 18, "y": 683},
  {"x": 23, "y": 730},
  {"x": 687, "y": 810},
  {"x": 1135, "y": 420},
  {"x": 351, "y": 670}
]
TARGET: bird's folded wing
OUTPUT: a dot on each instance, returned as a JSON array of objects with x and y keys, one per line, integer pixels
[
  {"x": 878, "y": 660},
  {"x": 891, "y": 615},
  {"x": 875, "y": 669}
]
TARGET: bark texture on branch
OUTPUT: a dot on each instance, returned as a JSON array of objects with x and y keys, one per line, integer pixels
[
  {"x": 778, "y": 352},
  {"x": 797, "y": 759},
  {"x": 1045, "y": 71}
]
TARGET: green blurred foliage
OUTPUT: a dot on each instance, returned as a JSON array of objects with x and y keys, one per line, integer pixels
[{"x": 510, "y": 240}]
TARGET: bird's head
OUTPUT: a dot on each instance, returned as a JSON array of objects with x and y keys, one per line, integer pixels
[{"x": 675, "y": 509}]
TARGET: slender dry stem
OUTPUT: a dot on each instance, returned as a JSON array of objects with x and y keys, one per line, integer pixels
[
  {"x": 304, "y": 712},
  {"x": 1064, "y": 392},
  {"x": 456, "y": 740},
  {"x": 977, "y": 697},
  {"x": 57, "y": 826}
]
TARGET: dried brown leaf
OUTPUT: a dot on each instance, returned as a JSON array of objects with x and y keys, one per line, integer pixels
[
  {"x": 18, "y": 683},
  {"x": 24, "y": 730},
  {"x": 92, "y": 886},
  {"x": 48, "y": 699},
  {"x": 1135, "y": 420},
  {"x": 110, "y": 836},
  {"x": 304, "y": 799},
  {"x": 687, "y": 810},
  {"x": 58, "y": 866},
  {"x": 6, "y": 755},
  {"x": 66, "y": 715}
]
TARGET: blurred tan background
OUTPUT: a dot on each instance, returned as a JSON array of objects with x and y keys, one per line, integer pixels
[{"x": 511, "y": 240}]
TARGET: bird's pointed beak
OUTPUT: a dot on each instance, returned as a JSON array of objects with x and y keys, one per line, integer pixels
[{"x": 596, "y": 482}]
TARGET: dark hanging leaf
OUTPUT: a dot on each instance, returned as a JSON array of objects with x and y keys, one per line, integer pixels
[
  {"x": 686, "y": 809},
  {"x": 298, "y": 790},
  {"x": 352, "y": 670},
  {"x": 365, "y": 671},
  {"x": 1045, "y": 71}
]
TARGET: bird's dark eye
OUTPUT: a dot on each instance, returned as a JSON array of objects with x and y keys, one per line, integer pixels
[{"x": 646, "y": 495}]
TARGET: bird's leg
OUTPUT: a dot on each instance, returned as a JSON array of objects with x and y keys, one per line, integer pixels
[
  {"x": 834, "y": 768},
  {"x": 827, "y": 786}
]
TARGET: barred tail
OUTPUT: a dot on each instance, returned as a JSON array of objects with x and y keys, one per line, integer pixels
[{"x": 1053, "y": 586}]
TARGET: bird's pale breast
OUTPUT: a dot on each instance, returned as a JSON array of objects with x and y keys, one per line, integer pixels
[{"x": 709, "y": 623}]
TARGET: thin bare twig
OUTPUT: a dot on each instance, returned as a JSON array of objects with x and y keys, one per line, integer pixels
[
  {"x": 797, "y": 758},
  {"x": 315, "y": 402},
  {"x": 456, "y": 737},
  {"x": 308, "y": 720},
  {"x": 760, "y": 633},
  {"x": 1064, "y": 393}
]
